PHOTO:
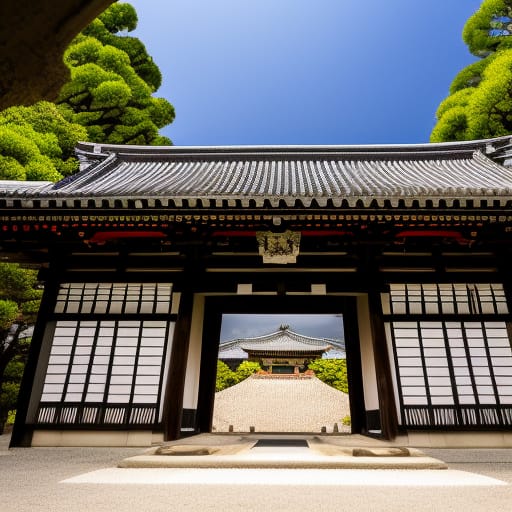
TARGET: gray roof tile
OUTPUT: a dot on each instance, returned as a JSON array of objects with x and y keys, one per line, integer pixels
[
  {"x": 199, "y": 175},
  {"x": 283, "y": 340}
]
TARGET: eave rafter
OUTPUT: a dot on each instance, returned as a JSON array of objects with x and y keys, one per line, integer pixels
[{"x": 335, "y": 196}]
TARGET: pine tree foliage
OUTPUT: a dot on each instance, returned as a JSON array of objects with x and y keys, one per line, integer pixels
[
  {"x": 480, "y": 101},
  {"x": 112, "y": 83},
  {"x": 37, "y": 143},
  {"x": 109, "y": 99}
]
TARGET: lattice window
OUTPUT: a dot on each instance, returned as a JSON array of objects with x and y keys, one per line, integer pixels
[
  {"x": 108, "y": 354},
  {"x": 112, "y": 361},
  {"x": 437, "y": 299},
  {"x": 451, "y": 372},
  {"x": 114, "y": 298},
  {"x": 478, "y": 354}
]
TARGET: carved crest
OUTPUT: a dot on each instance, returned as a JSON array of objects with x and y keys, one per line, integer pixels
[{"x": 281, "y": 248}]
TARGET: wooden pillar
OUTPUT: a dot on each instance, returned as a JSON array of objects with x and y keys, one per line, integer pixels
[
  {"x": 387, "y": 404},
  {"x": 209, "y": 356},
  {"x": 173, "y": 407},
  {"x": 354, "y": 368}
]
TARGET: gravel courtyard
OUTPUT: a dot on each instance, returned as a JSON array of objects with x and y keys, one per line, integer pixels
[{"x": 280, "y": 404}]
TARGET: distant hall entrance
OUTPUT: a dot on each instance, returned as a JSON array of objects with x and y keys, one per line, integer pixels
[
  {"x": 284, "y": 386},
  {"x": 291, "y": 378}
]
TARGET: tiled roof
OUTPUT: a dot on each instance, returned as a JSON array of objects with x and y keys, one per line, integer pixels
[
  {"x": 283, "y": 340},
  {"x": 23, "y": 187},
  {"x": 283, "y": 344},
  {"x": 254, "y": 176}
]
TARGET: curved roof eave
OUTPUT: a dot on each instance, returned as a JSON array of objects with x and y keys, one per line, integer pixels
[{"x": 266, "y": 176}]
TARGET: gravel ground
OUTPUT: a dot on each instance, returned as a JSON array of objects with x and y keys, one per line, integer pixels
[
  {"x": 86, "y": 479},
  {"x": 280, "y": 405}
]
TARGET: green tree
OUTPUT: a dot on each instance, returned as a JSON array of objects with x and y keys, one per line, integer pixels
[
  {"x": 109, "y": 99},
  {"x": 121, "y": 17},
  {"x": 246, "y": 369},
  {"x": 332, "y": 372},
  {"x": 11, "y": 382},
  {"x": 112, "y": 82},
  {"x": 488, "y": 29},
  {"x": 480, "y": 101},
  {"x": 227, "y": 377},
  {"x": 20, "y": 295},
  {"x": 37, "y": 143}
]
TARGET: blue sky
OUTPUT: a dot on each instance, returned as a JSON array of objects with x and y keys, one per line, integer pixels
[{"x": 302, "y": 72}]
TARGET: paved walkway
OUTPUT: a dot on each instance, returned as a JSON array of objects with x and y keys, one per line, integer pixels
[
  {"x": 85, "y": 479},
  {"x": 284, "y": 451}
]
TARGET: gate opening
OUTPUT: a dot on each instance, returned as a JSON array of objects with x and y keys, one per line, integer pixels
[{"x": 282, "y": 373}]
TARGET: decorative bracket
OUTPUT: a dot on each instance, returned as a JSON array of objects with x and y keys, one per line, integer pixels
[{"x": 280, "y": 248}]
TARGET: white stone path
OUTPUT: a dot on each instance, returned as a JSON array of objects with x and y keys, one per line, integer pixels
[{"x": 275, "y": 477}]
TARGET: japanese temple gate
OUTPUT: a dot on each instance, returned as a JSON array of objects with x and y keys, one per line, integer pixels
[{"x": 145, "y": 249}]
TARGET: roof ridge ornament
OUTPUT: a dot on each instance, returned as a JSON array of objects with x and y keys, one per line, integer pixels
[{"x": 501, "y": 153}]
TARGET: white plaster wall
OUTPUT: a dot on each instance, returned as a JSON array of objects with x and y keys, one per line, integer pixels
[
  {"x": 393, "y": 371},
  {"x": 104, "y": 438},
  {"x": 194, "y": 354},
  {"x": 371, "y": 397}
]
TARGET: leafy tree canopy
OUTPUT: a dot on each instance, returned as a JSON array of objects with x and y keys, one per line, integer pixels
[
  {"x": 11, "y": 382},
  {"x": 36, "y": 143},
  {"x": 121, "y": 18},
  {"x": 112, "y": 82},
  {"x": 332, "y": 372},
  {"x": 246, "y": 369},
  {"x": 470, "y": 76},
  {"x": 109, "y": 99},
  {"x": 488, "y": 29},
  {"x": 480, "y": 104},
  {"x": 19, "y": 303},
  {"x": 227, "y": 377}
]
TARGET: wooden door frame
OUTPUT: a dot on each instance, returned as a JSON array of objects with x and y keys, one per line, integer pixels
[{"x": 216, "y": 306}]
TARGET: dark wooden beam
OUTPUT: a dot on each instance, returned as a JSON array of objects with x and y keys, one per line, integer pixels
[
  {"x": 175, "y": 386},
  {"x": 387, "y": 404},
  {"x": 354, "y": 367},
  {"x": 208, "y": 371}
]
